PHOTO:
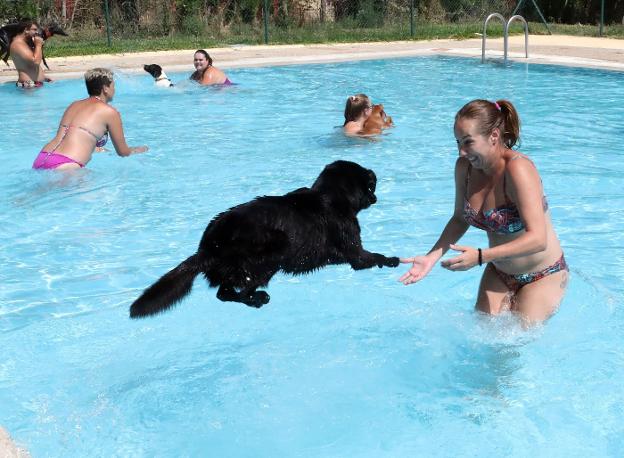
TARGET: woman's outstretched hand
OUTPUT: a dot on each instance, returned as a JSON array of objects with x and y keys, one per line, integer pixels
[
  {"x": 421, "y": 266},
  {"x": 468, "y": 258},
  {"x": 139, "y": 149}
]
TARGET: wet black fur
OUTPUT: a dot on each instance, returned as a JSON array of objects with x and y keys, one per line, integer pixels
[{"x": 297, "y": 233}]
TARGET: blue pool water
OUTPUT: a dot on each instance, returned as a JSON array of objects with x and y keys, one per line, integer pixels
[{"x": 339, "y": 363}]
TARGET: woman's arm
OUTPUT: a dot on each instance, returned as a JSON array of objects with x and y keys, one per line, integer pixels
[
  {"x": 115, "y": 129},
  {"x": 213, "y": 75},
  {"x": 352, "y": 128},
  {"x": 527, "y": 192},
  {"x": 453, "y": 231},
  {"x": 456, "y": 226},
  {"x": 206, "y": 78}
]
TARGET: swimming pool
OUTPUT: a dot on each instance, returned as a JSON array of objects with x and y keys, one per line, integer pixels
[{"x": 339, "y": 363}]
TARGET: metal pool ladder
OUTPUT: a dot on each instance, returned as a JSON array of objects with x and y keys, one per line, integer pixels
[{"x": 505, "y": 34}]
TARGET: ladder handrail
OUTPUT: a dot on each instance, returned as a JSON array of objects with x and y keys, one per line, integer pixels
[
  {"x": 526, "y": 34},
  {"x": 493, "y": 15},
  {"x": 505, "y": 34}
]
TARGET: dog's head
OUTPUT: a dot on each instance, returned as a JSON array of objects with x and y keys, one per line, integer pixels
[
  {"x": 377, "y": 120},
  {"x": 378, "y": 113},
  {"x": 51, "y": 30},
  {"x": 347, "y": 185},
  {"x": 153, "y": 69}
]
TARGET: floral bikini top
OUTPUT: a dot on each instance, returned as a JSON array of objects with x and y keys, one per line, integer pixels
[{"x": 498, "y": 220}]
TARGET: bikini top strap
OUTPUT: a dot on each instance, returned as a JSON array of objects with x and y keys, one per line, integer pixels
[
  {"x": 84, "y": 129},
  {"x": 66, "y": 129}
]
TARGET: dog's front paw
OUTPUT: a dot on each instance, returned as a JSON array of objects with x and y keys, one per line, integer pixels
[
  {"x": 384, "y": 261},
  {"x": 392, "y": 262}
]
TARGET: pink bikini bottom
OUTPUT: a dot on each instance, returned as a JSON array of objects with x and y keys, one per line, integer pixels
[{"x": 46, "y": 160}]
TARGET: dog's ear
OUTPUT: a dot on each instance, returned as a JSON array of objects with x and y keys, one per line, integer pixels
[{"x": 153, "y": 69}]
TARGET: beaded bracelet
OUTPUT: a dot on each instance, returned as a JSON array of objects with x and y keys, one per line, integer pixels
[{"x": 480, "y": 256}]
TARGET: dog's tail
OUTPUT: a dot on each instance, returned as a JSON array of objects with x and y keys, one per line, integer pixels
[{"x": 168, "y": 290}]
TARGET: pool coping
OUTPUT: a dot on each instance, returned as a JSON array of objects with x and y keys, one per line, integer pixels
[{"x": 589, "y": 52}]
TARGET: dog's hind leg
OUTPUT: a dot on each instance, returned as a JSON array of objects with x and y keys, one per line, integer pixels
[
  {"x": 248, "y": 296},
  {"x": 256, "y": 298}
]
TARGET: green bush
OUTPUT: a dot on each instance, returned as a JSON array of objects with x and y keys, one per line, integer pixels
[
  {"x": 371, "y": 13},
  {"x": 11, "y": 10}
]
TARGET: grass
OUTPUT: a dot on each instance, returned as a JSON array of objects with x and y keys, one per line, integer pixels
[{"x": 85, "y": 42}]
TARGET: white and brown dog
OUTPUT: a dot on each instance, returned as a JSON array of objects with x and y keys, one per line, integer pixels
[{"x": 160, "y": 78}]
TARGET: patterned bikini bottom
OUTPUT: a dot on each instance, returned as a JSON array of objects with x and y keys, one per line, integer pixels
[{"x": 516, "y": 281}]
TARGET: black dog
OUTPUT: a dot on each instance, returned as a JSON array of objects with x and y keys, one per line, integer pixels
[
  {"x": 160, "y": 78},
  {"x": 297, "y": 233},
  {"x": 9, "y": 31}
]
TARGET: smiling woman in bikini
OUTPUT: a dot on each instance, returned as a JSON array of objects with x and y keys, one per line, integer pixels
[
  {"x": 85, "y": 125},
  {"x": 500, "y": 191},
  {"x": 205, "y": 73}
]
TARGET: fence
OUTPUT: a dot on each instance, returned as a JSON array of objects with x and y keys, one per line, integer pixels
[{"x": 304, "y": 20}]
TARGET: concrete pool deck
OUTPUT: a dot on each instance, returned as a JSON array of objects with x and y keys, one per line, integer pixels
[
  {"x": 605, "y": 53},
  {"x": 8, "y": 449}
]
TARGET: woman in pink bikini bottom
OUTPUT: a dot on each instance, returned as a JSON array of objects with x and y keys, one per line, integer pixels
[{"x": 77, "y": 136}]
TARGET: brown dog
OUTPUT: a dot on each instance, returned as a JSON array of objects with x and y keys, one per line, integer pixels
[{"x": 377, "y": 121}]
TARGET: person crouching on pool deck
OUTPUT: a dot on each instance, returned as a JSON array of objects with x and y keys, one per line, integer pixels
[
  {"x": 357, "y": 110},
  {"x": 500, "y": 191},
  {"x": 27, "y": 59},
  {"x": 205, "y": 74},
  {"x": 85, "y": 125}
]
